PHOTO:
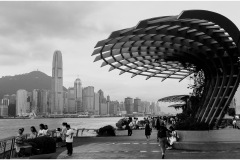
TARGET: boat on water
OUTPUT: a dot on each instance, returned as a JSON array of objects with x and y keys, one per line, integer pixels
[{"x": 83, "y": 116}]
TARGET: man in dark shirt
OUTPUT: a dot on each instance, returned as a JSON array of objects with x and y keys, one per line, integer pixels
[{"x": 162, "y": 136}]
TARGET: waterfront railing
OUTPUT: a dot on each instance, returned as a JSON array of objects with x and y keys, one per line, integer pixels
[{"x": 7, "y": 145}]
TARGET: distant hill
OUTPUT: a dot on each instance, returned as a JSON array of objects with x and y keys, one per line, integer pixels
[{"x": 27, "y": 81}]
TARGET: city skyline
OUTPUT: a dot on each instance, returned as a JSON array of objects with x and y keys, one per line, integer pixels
[{"x": 29, "y": 37}]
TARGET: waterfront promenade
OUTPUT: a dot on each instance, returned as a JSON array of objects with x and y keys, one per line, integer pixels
[{"x": 133, "y": 147}]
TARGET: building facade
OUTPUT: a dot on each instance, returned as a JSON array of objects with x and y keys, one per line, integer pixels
[
  {"x": 57, "y": 84},
  {"x": 113, "y": 108},
  {"x": 129, "y": 105},
  {"x": 88, "y": 99},
  {"x": 22, "y": 103},
  {"x": 137, "y": 105},
  {"x": 65, "y": 102},
  {"x": 78, "y": 95},
  {"x": 96, "y": 103},
  {"x": 3, "y": 110},
  {"x": 71, "y": 109},
  {"x": 12, "y": 104}
]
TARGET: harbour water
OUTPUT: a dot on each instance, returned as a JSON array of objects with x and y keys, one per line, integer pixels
[{"x": 9, "y": 127}]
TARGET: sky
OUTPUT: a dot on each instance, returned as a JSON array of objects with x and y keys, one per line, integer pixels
[{"x": 30, "y": 32}]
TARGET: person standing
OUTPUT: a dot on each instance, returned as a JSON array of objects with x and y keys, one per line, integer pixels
[
  {"x": 234, "y": 122},
  {"x": 162, "y": 136},
  {"x": 130, "y": 127},
  {"x": 58, "y": 136},
  {"x": 137, "y": 126},
  {"x": 69, "y": 140},
  {"x": 157, "y": 123},
  {"x": 64, "y": 131},
  {"x": 148, "y": 130}
]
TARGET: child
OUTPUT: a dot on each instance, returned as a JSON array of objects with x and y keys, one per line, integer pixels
[{"x": 69, "y": 139}]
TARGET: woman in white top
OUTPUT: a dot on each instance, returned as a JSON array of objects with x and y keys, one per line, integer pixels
[
  {"x": 42, "y": 131},
  {"x": 173, "y": 137},
  {"x": 69, "y": 139}
]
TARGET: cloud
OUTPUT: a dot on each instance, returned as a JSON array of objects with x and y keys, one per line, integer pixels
[{"x": 31, "y": 31}]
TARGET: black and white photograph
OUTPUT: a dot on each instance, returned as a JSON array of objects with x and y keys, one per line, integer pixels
[{"x": 119, "y": 80}]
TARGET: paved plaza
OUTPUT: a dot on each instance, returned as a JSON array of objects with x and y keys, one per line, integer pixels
[{"x": 135, "y": 147}]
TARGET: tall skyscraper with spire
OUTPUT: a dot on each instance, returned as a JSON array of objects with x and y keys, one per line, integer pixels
[
  {"x": 78, "y": 95},
  {"x": 57, "y": 84}
]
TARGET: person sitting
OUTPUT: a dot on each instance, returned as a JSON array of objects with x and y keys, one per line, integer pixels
[
  {"x": 42, "y": 131},
  {"x": 19, "y": 140},
  {"x": 33, "y": 133},
  {"x": 173, "y": 137},
  {"x": 47, "y": 132}
]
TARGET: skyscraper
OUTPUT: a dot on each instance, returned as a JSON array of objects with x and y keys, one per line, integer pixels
[
  {"x": 129, "y": 105},
  {"x": 78, "y": 95},
  {"x": 96, "y": 103},
  {"x": 23, "y": 105},
  {"x": 35, "y": 101},
  {"x": 137, "y": 103},
  {"x": 88, "y": 99},
  {"x": 57, "y": 84},
  {"x": 12, "y": 104},
  {"x": 65, "y": 102},
  {"x": 71, "y": 101}
]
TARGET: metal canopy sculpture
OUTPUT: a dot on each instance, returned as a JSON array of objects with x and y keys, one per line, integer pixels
[
  {"x": 175, "y": 98},
  {"x": 177, "y": 106},
  {"x": 177, "y": 46}
]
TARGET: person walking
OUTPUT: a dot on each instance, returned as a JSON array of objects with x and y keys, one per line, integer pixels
[
  {"x": 148, "y": 130},
  {"x": 162, "y": 137},
  {"x": 69, "y": 140}
]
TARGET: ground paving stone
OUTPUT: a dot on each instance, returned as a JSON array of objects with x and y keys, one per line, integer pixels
[{"x": 135, "y": 147}]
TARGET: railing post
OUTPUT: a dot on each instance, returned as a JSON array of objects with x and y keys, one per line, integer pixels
[
  {"x": 4, "y": 150},
  {"x": 77, "y": 133},
  {"x": 12, "y": 147}
]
